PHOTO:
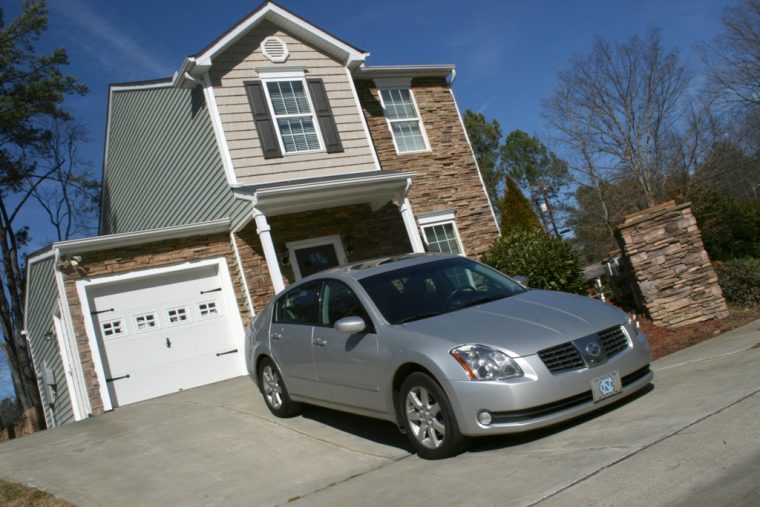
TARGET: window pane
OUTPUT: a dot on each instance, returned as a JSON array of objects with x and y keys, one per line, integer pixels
[
  {"x": 298, "y": 134},
  {"x": 288, "y": 97},
  {"x": 398, "y": 104},
  {"x": 339, "y": 301},
  {"x": 441, "y": 238},
  {"x": 299, "y": 306},
  {"x": 408, "y": 136}
]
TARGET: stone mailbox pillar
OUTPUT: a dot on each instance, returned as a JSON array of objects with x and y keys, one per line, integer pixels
[{"x": 673, "y": 274}]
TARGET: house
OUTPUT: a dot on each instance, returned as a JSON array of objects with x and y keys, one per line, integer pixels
[{"x": 273, "y": 153}]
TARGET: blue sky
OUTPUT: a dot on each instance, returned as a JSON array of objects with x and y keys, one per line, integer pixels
[{"x": 507, "y": 53}]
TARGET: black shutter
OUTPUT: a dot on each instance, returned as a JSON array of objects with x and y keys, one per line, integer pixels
[
  {"x": 324, "y": 116},
  {"x": 264, "y": 124}
]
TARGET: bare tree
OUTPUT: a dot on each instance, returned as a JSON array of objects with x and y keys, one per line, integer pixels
[
  {"x": 733, "y": 59},
  {"x": 65, "y": 190},
  {"x": 32, "y": 91},
  {"x": 618, "y": 104}
]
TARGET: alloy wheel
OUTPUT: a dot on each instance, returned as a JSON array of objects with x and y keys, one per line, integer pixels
[{"x": 425, "y": 418}]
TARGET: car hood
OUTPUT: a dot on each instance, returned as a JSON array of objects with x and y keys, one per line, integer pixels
[{"x": 523, "y": 324}]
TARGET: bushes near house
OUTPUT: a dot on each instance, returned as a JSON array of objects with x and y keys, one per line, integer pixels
[
  {"x": 740, "y": 281},
  {"x": 548, "y": 262}
]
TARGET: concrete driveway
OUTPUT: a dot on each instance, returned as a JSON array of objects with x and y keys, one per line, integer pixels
[{"x": 692, "y": 439}]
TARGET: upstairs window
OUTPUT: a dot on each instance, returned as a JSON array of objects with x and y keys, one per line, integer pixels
[
  {"x": 403, "y": 120},
  {"x": 293, "y": 116}
]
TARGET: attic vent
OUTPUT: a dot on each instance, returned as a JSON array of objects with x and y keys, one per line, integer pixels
[{"x": 274, "y": 49}]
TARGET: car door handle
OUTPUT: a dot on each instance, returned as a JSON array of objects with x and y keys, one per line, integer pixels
[
  {"x": 319, "y": 342},
  {"x": 275, "y": 336}
]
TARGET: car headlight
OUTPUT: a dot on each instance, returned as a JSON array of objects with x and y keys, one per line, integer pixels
[{"x": 485, "y": 363}]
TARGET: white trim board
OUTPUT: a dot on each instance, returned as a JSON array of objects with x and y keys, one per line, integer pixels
[{"x": 333, "y": 240}]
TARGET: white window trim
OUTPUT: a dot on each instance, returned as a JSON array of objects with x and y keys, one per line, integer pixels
[
  {"x": 308, "y": 243},
  {"x": 180, "y": 322},
  {"x": 442, "y": 218},
  {"x": 217, "y": 310},
  {"x": 146, "y": 329},
  {"x": 398, "y": 85},
  {"x": 287, "y": 76},
  {"x": 123, "y": 328}
]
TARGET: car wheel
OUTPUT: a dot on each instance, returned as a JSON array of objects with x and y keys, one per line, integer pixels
[
  {"x": 428, "y": 418},
  {"x": 273, "y": 389}
]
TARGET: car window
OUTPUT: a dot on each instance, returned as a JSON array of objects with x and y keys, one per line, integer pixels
[
  {"x": 299, "y": 305},
  {"x": 436, "y": 287},
  {"x": 339, "y": 301}
]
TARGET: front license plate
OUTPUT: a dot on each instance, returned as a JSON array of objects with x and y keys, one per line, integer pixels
[{"x": 606, "y": 386}]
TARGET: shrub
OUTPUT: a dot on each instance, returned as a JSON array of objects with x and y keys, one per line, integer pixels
[
  {"x": 740, "y": 281},
  {"x": 548, "y": 262}
]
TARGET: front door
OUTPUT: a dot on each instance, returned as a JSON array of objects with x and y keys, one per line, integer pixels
[{"x": 317, "y": 254}]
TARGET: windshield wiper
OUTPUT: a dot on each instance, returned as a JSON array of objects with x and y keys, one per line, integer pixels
[
  {"x": 484, "y": 299},
  {"x": 417, "y": 316}
]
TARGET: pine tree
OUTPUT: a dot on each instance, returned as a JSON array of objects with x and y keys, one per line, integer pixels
[{"x": 516, "y": 213}]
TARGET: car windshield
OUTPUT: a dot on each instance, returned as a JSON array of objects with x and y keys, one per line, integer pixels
[{"x": 435, "y": 288}]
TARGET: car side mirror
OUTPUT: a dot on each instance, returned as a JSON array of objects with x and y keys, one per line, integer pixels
[
  {"x": 522, "y": 280},
  {"x": 350, "y": 325}
]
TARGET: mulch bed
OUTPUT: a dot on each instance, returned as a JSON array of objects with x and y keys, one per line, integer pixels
[{"x": 666, "y": 341}]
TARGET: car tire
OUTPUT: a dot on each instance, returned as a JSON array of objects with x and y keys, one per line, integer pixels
[
  {"x": 273, "y": 390},
  {"x": 428, "y": 418}
]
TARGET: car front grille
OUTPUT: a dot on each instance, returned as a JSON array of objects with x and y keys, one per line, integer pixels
[
  {"x": 561, "y": 358},
  {"x": 613, "y": 340},
  {"x": 566, "y": 356}
]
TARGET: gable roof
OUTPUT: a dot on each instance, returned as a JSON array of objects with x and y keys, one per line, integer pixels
[{"x": 349, "y": 55}]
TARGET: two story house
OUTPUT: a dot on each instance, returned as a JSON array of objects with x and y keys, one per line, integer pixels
[{"x": 273, "y": 153}]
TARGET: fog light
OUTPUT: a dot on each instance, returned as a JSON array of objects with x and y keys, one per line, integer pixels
[{"x": 485, "y": 418}]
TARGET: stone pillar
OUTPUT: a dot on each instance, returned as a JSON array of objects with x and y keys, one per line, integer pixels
[{"x": 676, "y": 281}]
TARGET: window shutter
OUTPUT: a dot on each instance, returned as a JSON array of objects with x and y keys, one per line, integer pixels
[
  {"x": 324, "y": 116},
  {"x": 264, "y": 124}
]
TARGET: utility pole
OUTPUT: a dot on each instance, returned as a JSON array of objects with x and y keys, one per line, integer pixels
[{"x": 547, "y": 208}]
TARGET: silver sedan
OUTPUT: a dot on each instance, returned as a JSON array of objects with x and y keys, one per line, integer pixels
[{"x": 445, "y": 347}]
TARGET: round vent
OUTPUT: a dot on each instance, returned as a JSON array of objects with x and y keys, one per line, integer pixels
[{"x": 274, "y": 49}]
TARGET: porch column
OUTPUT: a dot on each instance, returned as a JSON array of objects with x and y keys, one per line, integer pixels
[
  {"x": 409, "y": 222},
  {"x": 270, "y": 255}
]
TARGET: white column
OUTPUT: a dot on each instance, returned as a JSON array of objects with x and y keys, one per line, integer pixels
[
  {"x": 411, "y": 225},
  {"x": 262, "y": 229}
]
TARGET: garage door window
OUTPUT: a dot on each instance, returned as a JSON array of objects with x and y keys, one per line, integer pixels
[
  {"x": 113, "y": 327},
  {"x": 177, "y": 315},
  {"x": 146, "y": 321},
  {"x": 208, "y": 309}
]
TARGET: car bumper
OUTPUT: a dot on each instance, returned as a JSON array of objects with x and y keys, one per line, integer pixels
[{"x": 540, "y": 398}]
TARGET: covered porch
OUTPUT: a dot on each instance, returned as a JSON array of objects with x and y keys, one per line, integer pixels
[{"x": 306, "y": 226}]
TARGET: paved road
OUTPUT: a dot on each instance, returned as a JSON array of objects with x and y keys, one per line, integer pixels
[{"x": 691, "y": 440}]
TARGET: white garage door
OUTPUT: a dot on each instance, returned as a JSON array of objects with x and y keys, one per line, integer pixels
[{"x": 164, "y": 333}]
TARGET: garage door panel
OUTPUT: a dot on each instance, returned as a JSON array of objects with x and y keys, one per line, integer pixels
[{"x": 165, "y": 333}]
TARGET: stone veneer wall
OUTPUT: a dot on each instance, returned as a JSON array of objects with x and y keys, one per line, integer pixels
[
  {"x": 447, "y": 177},
  {"x": 372, "y": 233},
  {"x": 677, "y": 283},
  {"x": 151, "y": 255}
]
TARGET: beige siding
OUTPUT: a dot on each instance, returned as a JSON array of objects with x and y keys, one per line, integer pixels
[{"x": 238, "y": 64}]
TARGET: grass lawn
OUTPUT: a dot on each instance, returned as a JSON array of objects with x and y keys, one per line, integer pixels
[{"x": 16, "y": 495}]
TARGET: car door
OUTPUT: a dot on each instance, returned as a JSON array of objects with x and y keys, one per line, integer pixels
[
  {"x": 348, "y": 366},
  {"x": 293, "y": 320}
]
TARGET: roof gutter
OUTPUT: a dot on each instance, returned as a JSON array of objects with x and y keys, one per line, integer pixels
[{"x": 140, "y": 237}]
